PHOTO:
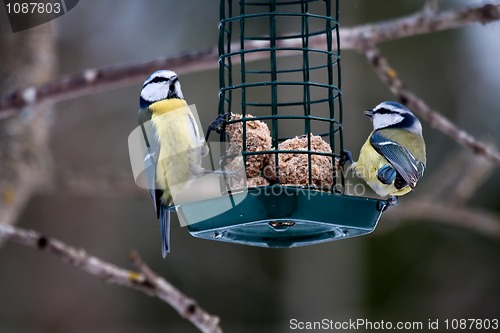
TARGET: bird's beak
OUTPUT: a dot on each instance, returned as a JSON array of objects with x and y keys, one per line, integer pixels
[
  {"x": 369, "y": 113},
  {"x": 174, "y": 79}
]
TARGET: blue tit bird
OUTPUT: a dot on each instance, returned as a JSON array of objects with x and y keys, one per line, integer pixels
[
  {"x": 175, "y": 148},
  {"x": 392, "y": 160}
]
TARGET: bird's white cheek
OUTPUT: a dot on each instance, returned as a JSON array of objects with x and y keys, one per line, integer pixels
[
  {"x": 384, "y": 120},
  {"x": 155, "y": 92}
]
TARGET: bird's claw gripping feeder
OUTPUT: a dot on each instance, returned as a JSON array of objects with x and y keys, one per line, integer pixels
[{"x": 283, "y": 82}]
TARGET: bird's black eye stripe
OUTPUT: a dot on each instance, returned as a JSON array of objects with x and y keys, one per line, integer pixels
[
  {"x": 383, "y": 111},
  {"x": 158, "y": 79}
]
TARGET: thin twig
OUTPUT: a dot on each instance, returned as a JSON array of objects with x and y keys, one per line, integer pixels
[
  {"x": 147, "y": 281},
  {"x": 437, "y": 184},
  {"x": 477, "y": 220},
  {"x": 186, "y": 307},
  {"x": 389, "y": 76},
  {"x": 457, "y": 179},
  {"x": 93, "y": 80},
  {"x": 422, "y": 22},
  {"x": 98, "y": 182},
  {"x": 477, "y": 172},
  {"x": 431, "y": 7}
]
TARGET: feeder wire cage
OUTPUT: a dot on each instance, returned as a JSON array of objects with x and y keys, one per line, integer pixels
[
  {"x": 290, "y": 82},
  {"x": 315, "y": 99}
]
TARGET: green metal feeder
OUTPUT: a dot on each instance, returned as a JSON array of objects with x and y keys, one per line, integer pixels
[{"x": 295, "y": 84}]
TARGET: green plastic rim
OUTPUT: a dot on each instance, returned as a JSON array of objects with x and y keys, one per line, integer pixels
[{"x": 282, "y": 217}]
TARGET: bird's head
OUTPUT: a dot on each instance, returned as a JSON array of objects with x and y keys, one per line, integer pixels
[
  {"x": 160, "y": 85},
  {"x": 394, "y": 115}
]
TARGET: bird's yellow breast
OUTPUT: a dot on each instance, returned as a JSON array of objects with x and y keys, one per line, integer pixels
[
  {"x": 173, "y": 122},
  {"x": 167, "y": 105}
]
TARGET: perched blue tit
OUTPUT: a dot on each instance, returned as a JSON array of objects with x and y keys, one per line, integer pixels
[
  {"x": 175, "y": 147},
  {"x": 392, "y": 160}
]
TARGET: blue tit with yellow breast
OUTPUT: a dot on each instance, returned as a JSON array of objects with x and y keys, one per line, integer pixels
[
  {"x": 392, "y": 160},
  {"x": 174, "y": 149}
]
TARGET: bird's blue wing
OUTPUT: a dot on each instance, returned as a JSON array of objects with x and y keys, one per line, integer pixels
[
  {"x": 151, "y": 155},
  {"x": 386, "y": 174},
  {"x": 150, "y": 160},
  {"x": 400, "y": 158}
]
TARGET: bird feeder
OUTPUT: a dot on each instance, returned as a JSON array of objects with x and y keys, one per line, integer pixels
[{"x": 290, "y": 84}]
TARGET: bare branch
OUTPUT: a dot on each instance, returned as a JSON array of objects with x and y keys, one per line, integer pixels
[
  {"x": 478, "y": 171},
  {"x": 186, "y": 307},
  {"x": 389, "y": 76},
  {"x": 93, "y": 80},
  {"x": 417, "y": 24},
  {"x": 436, "y": 184},
  {"x": 456, "y": 180},
  {"x": 431, "y": 6},
  {"x": 102, "y": 182},
  {"x": 147, "y": 281},
  {"x": 479, "y": 221}
]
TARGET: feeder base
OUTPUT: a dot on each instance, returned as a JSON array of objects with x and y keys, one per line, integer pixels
[{"x": 281, "y": 217}]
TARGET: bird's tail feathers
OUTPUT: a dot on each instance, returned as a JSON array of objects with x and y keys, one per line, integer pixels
[{"x": 165, "y": 230}]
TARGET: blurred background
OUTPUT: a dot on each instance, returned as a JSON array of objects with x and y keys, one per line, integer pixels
[{"x": 405, "y": 271}]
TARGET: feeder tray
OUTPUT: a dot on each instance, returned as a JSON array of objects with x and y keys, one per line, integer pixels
[
  {"x": 277, "y": 216},
  {"x": 301, "y": 92}
]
